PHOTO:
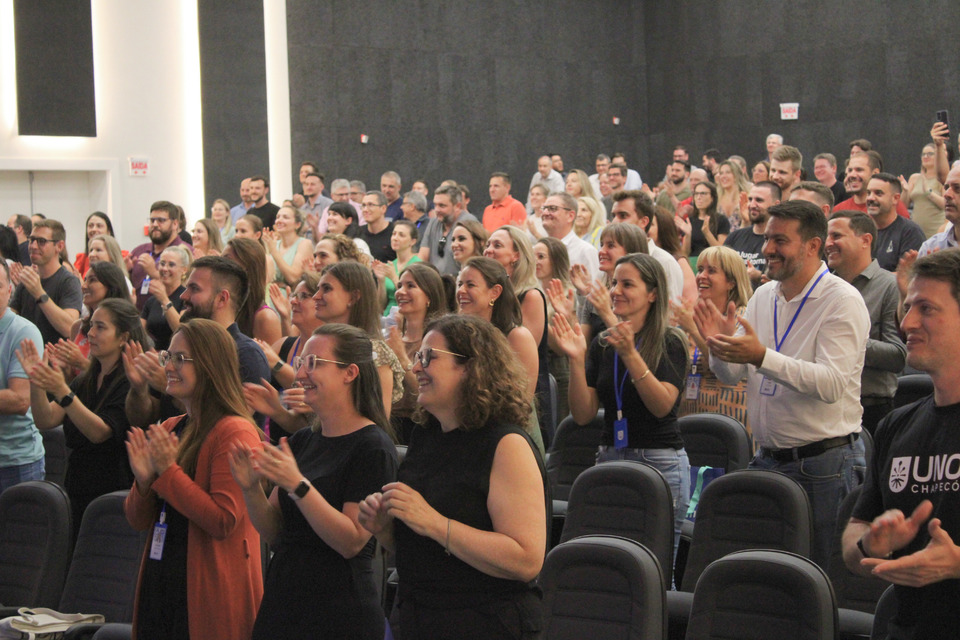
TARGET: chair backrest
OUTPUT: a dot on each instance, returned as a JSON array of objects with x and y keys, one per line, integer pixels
[
  {"x": 886, "y": 608},
  {"x": 748, "y": 509},
  {"x": 601, "y": 587},
  {"x": 574, "y": 449},
  {"x": 106, "y": 561},
  {"x": 35, "y": 537},
  {"x": 55, "y": 454},
  {"x": 853, "y": 591},
  {"x": 552, "y": 411},
  {"x": 627, "y": 499},
  {"x": 911, "y": 388},
  {"x": 715, "y": 440},
  {"x": 763, "y": 594}
]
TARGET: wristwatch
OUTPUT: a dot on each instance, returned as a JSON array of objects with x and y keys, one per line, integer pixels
[
  {"x": 302, "y": 489},
  {"x": 167, "y": 306},
  {"x": 66, "y": 400},
  {"x": 43, "y": 298},
  {"x": 276, "y": 368}
]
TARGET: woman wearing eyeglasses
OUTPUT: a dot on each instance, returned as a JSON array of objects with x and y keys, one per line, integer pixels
[
  {"x": 91, "y": 406},
  {"x": 200, "y": 576},
  {"x": 706, "y": 226},
  {"x": 320, "y": 581},
  {"x": 466, "y": 517}
]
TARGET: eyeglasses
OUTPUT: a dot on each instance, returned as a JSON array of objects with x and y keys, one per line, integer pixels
[
  {"x": 441, "y": 248},
  {"x": 177, "y": 358},
  {"x": 552, "y": 208},
  {"x": 302, "y": 296},
  {"x": 370, "y": 205},
  {"x": 309, "y": 362},
  {"x": 425, "y": 357},
  {"x": 41, "y": 242},
  {"x": 159, "y": 221},
  {"x": 927, "y": 154}
]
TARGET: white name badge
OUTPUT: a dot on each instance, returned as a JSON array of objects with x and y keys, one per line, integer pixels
[{"x": 768, "y": 387}]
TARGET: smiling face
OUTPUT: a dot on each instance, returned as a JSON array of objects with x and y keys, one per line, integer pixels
[
  {"x": 462, "y": 245},
  {"x": 332, "y": 301},
  {"x": 97, "y": 251},
  {"x": 610, "y": 252},
  {"x": 474, "y": 295},
  {"x": 843, "y": 246},
  {"x": 324, "y": 254},
  {"x": 201, "y": 240},
  {"x": 931, "y": 323},
  {"x": 327, "y": 377},
  {"x": 104, "y": 341},
  {"x": 180, "y": 383},
  {"x": 244, "y": 229},
  {"x": 785, "y": 250},
  {"x": 373, "y": 211},
  {"x": 713, "y": 284},
  {"x": 96, "y": 226},
  {"x": 760, "y": 173},
  {"x": 881, "y": 200},
  {"x": 171, "y": 271},
  {"x": 725, "y": 177},
  {"x": 858, "y": 175},
  {"x": 298, "y": 298},
  {"x": 573, "y": 185},
  {"x": 286, "y": 221},
  {"x": 582, "y": 222},
  {"x": 412, "y": 302},
  {"x": 50, "y": 249},
  {"x": 439, "y": 384},
  {"x": 783, "y": 174},
  {"x": 544, "y": 267},
  {"x": 557, "y": 217},
  {"x": 92, "y": 289},
  {"x": 219, "y": 214},
  {"x": 336, "y": 223},
  {"x": 629, "y": 294},
  {"x": 500, "y": 248},
  {"x": 823, "y": 170}
]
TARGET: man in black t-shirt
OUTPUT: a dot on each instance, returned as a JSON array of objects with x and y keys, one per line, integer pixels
[
  {"x": 262, "y": 207},
  {"x": 379, "y": 228},
  {"x": 915, "y": 469},
  {"x": 748, "y": 241}
]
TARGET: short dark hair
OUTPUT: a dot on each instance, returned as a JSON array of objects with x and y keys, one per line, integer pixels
[
  {"x": 686, "y": 165},
  {"x": 641, "y": 203},
  {"x": 775, "y": 191},
  {"x": 877, "y": 159},
  {"x": 813, "y": 224},
  {"x": 381, "y": 199},
  {"x": 620, "y": 167},
  {"x": 863, "y": 143},
  {"x": 464, "y": 192},
  {"x": 316, "y": 174},
  {"x": 228, "y": 275},
  {"x": 860, "y": 223},
  {"x": 164, "y": 205},
  {"x": 873, "y": 159},
  {"x": 823, "y": 192},
  {"x": 941, "y": 265},
  {"x": 890, "y": 179},
  {"x": 263, "y": 179},
  {"x": 502, "y": 175},
  {"x": 713, "y": 154},
  {"x": 312, "y": 165},
  {"x": 57, "y": 232},
  {"x": 344, "y": 210},
  {"x": 25, "y": 223}
]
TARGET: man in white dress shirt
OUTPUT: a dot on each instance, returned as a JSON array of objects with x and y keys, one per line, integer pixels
[
  {"x": 800, "y": 345},
  {"x": 559, "y": 211}
]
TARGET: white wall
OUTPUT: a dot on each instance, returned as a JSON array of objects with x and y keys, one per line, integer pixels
[{"x": 146, "y": 69}]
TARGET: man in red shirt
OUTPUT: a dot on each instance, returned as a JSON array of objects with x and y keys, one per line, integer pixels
[
  {"x": 860, "y": 168},
  {"x": 504, "y": 208}
]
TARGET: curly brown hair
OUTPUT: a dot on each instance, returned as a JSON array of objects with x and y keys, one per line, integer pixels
[{"x": 494, "y": 388}]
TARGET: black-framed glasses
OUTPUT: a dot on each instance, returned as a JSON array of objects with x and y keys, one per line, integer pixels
[
  {"x": 309, "y": 362},
  {"x": 41, "y": 242},
  {"x": 159, "y": 221},
  {"x": 425, "y": 356},
  {"x": 176, "y": 358},
  {"x": 441, "y": 247}
]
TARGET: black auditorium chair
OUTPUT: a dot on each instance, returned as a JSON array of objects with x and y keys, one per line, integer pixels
[
  {"x": 763, "y": 594},
  {"x": 574, "y": 449},
  {"x": 711, "y": 440},
  {"x": 55, "y": 454},
  {"x": 627, "y": 499},
  {"x": 886, "y": 607},
  {"x": 911, "y": 388},
  {"x": 35, "y": 540},
  {"x": 602, "y": 587},
  {"x": 747, "y": 509}
]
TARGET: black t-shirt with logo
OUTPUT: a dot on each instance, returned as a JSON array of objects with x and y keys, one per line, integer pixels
[{"x": 917, "y": 458}]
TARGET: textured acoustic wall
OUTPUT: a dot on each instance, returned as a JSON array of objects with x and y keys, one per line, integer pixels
[
  {"x": 54, "y": 52},
  {"x": 462, "y": 89}
]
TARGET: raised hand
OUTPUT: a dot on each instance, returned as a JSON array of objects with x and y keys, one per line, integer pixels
[
  {"x": 562, "y": 301},
  {"x": 148, "y": 364},
  {"x": 904, "y": 267},
  {"x": 159, "y": 291},
  {"x": 271, "y": 355},
  {"x": 743, "y": 349},
  {"x": 242, "y": 466},
  {"x": 138, "y": 452},
  {"x": 278, "y": 465},
  {"x": 281, "y": 297},
  {"x": 130, "y": 352},
  {"x": 68, "y": 352},
  {"x": 580, "y": 278},
  {"x": 262, "y": 398},
  {"x": 568, "y": 340},
  {"x": 710, "y": 322},
  {"x": 163, "y": 448},
  {"x": 30, "y": 279},
  {"x": 27, "y": 355},
  {"x": 149, "y": 265}
]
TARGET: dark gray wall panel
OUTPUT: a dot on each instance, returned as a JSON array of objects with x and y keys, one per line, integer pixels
[
  {"x": 233, "y": 92},
  {"x": 459, "y": 90},
  {"x": 54, "y": 66}
]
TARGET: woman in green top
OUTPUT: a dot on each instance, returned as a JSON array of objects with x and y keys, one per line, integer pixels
[{"x": 403, "y": 241}]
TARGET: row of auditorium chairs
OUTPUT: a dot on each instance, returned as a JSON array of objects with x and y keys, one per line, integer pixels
[{"x": 602, "y": 587}]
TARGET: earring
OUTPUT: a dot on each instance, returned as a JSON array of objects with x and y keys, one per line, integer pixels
[
  {"x": 428, "y": 304},
  {"x": 492, "y": 302}
]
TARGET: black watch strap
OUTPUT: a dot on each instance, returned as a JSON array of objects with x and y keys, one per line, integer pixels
[
  {"x": 66, "y": 400},
  {"x": 302, "y": 489},
  {"x": 43, "y": 298}
]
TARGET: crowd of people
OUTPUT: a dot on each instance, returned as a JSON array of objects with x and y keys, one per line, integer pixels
[{"x": 281, "y": 352}]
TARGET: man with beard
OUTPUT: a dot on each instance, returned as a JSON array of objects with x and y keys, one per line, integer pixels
[
  {"x": 860, "y": 168},
  {"x": 142, "y": 261},
  {"x": 913, "y": 470},
  {"x": 949, "y": 237},
  {"x": 215, "y": 290},
  {"x": 435, "y": 245},
  {"x": 262, "y": 207},
  {"x": 800, "y": 344},
  {"x": 786, "y": 163},
  {"x": 748, "y": 241},
  {"x": 895, "y": 235},
  {"x": 676, "y": 187}
]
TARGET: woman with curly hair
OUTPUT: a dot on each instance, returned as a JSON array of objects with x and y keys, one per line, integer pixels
[
  {"x": 333, "y": 248},
  {"x": 467, "y": 515}
]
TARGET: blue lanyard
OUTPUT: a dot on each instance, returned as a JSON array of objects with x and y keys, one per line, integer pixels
[
  {"x": 618, "y": 388},
  {"x": 779, "y": 343},
  {"x": 693, "y": 366}
]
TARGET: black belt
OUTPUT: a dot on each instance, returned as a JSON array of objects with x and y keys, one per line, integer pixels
[{"x": 812, "y": 449}]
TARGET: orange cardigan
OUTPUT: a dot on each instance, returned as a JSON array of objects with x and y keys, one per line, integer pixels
[{"x": 224, "y": 578}]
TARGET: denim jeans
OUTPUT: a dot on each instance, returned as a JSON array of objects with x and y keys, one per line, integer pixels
[
  {"x": 827, "y": 479},
  {"x": 675, "y": 467},
  {"x": 10, "y": 476}
]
